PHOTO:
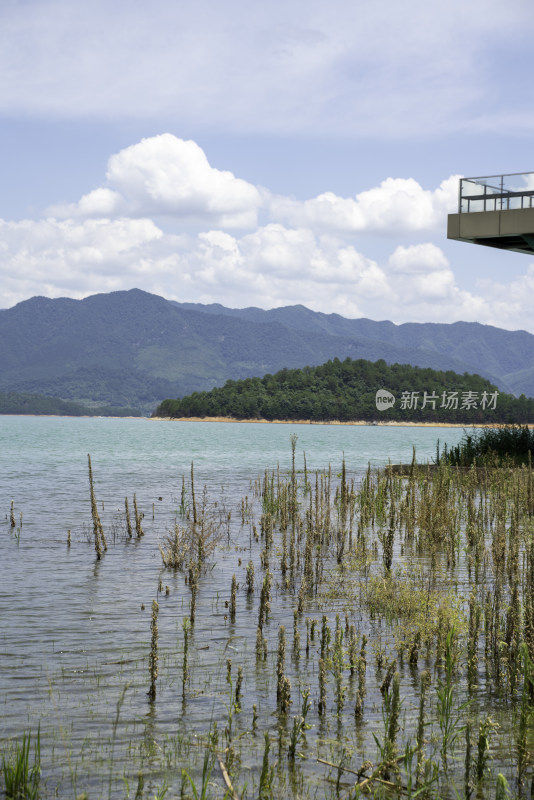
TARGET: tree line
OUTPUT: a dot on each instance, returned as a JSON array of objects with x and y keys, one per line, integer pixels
[{"x": 346, "y": 391}]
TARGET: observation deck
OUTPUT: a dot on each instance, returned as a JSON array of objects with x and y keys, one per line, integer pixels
[{"x": 497, "y": 211}]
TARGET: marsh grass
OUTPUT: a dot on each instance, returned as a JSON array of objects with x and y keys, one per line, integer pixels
[
  {"x": 503, "y": 446},
  {"x": 22, "y": 778},
  {"x": 416, "y": 593}
]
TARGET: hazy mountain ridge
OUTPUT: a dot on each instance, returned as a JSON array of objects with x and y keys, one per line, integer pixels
[
  {"x": 500, "y": 354},
  {"x": 135, "y": 349}
]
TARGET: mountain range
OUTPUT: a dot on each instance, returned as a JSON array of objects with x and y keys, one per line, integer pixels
[{"x": 132, "y": 348}]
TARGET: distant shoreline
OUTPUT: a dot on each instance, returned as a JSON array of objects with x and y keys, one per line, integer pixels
[
  {"x": 385, "y": 423},
  {"x": 74, "y": 416},
  {"x": 360, "y": 422}
]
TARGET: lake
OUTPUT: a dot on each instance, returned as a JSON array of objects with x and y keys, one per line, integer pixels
[{"x": 76, "y": 632}]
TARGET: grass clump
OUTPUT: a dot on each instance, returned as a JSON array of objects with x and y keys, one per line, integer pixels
[
  {"x": 413, "y": 605},
  {"x": 509, "y": 445},
  {"x": 21, "y": 780}
]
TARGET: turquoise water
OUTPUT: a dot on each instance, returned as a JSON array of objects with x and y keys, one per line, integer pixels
[{"x": 74, "y": 635}]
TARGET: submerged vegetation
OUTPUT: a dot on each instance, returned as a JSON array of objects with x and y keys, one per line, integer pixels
[
  {"x": 327, "y": 635},
  {"x": 346, "y": 391}
]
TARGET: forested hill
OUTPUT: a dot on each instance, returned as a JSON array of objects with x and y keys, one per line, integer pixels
[
  {"x": 133, "y": 349},
  {"x": 41, "y": 405},
  {"x": 347, "y": 390}
]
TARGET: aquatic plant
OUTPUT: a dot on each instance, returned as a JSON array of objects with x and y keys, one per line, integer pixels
[
  {"x": 128, "y": 520},
  {"x": 186, "y": 627},
  {"x": 138, "y": 517},
  {"x": 98, "y": 531},
  {"x": 509, "y": 444},
  {"x": 153, "y": 656},
  {"x": 233, "y": 597},
  {"x": 22, "y": 779}
]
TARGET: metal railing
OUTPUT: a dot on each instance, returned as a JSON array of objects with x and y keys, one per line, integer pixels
[{"x": 496, "y": 193}]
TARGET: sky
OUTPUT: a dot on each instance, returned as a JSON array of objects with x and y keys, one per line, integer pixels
[{"x": 263, "y": 154}]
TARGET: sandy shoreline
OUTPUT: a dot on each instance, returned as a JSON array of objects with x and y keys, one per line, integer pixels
[{"x": 388, "y": 423}]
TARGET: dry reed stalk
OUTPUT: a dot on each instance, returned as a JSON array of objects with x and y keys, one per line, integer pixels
[
  {"x": 193, "y": 501},
  {"x": 321, "y": 707},
  {"x": 138, "y": 517},
  {"x": 193, "y": 585},
  {"x": 186, "y": 627},
  {"x": 250, "y": 578},
  {"x": 280, "y": 664},
  {"x": 98, "y": 531},
  {"x": 153, "y": 657},
  {"x": 238, "y": 688},
  {"x": 233, "y": 598},
  {"x": 128, "y": 520},
  {"x": 285, "y": 694},
  {"x": 296, "y": 635}
]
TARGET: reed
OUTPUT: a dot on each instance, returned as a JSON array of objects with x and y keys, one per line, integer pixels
[
  {"x": 128, "y": 520},
  {"x": 449, "y": 710},
  {"x": 296, "y": 635},
  {"x": 193, "y": 585},
  {"x": 233, "y": 599},
  {"x": 138, "y": 517},
  {"x": 193, "y": 500},
  {"x": 280, "y": 663},
  {"x": 338, "y": 660},
  {"x": 239, "y": 688},
  {"x": 186, "y": 627},
  {"x": 391, "y": 712},
  {"x": 468, "y": 767},
  {"x": 321, "y": 706},
  {"x": 501, "y": 790},
  {"x": 295, "y": 736},
  {"x": 98, "y": 531},
  {"x": 250, "y": 578},
  {"x": 285, "y": 695},
  {"x": 485, "y": 729},
  {"x": 153, "y": 656},
  {"x": 421, "y": 724},
  {"x": 441, "y": 572},
  {"x": 265, "y": 791}
]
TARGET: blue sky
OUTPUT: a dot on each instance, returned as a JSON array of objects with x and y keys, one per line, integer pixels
[{"x": 262, "y": 154}]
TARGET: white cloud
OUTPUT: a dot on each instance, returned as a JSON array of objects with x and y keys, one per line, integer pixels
[
  {"x": 70, "y": 258},
  {"x": 390, "y": 70},
  {"x": 398, "y": 204},
  {"x": 167, "y": 176},
  {"x": 164, "y": 176},
  {"x": 110, "y": 240},
  {"x": 272, "y": 266},
  {"x": 269, "y": 267},
  {"x": 418, "y": 258}
]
